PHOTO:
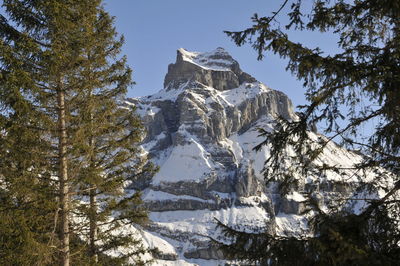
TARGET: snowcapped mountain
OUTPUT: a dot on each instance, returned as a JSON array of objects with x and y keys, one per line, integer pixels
[{"x": 202, "y": 128}]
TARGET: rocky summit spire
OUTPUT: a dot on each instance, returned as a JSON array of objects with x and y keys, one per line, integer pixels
[{"x": 215, "y": 69}]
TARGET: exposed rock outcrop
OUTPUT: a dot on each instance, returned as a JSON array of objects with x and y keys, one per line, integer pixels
[{"x": 216, "y": 69}]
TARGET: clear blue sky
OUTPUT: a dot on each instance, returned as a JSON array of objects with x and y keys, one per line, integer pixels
[{"x": 155, "y": 29}]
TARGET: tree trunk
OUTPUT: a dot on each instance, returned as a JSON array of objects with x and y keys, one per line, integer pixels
[
  {"x": 63, "y": 176},
  {"x": 93, "y": 225},
  {"x": 92, "y": 193}
]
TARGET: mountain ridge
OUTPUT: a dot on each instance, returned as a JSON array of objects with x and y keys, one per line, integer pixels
[{"x": 201, "y": 131}]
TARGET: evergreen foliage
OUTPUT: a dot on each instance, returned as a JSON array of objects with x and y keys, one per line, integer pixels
[
  {"x": 346, "y": 91},
  {"x": 70, "y": 146}
]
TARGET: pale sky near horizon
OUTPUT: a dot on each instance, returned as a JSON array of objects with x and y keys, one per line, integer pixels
[{"x": 155, "y": 29}]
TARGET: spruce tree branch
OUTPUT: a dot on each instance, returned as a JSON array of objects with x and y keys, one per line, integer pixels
[
  {"x": 381, "y": 201},
  {"x": 14, "y": 34},
  {"x": 277, "y": 12},
  {"x": 353, "y": 124},
  {"x": 390, "y": 156}
]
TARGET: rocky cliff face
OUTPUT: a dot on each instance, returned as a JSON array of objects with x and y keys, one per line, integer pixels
[
  {"x": 201, "y": 130},
  {"x": 216, "y": 69}
]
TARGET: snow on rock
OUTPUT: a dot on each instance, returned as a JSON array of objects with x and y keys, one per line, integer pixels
[
  {"x": 290, "y": 224},
  {"x": 152, "y": 195},
  {"x": 296, "y": 196},
  {"x": 153, "y": 241},
  {"x": 243, "y": 92},
  {"x": 190, "y": 262},
  {"x": 218, "y": 59},
  {"x": 146, "y": 110},
  {"x": 165, "y": 95},
  {"x": 174, "y": 263},
  {"x": 201, "y": 223},
  {"x": 192, "y": 160},
  {"x": 242, "y": 146}
]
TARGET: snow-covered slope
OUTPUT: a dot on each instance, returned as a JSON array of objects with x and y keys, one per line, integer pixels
[{"x": 202, "y": 128}]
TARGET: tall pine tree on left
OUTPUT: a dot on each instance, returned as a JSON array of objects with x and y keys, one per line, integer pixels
[{"x": 68, "y": 148}]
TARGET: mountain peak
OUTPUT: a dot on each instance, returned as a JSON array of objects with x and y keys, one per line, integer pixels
[
  {"x": 215, "y": 69},
  {"x": 217, "y": 60}
]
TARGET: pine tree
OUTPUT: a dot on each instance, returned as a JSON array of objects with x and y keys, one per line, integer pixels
[
  {"x": 360, "y": 83},
  {"x": 62, "y": 94},
  {"x": 106, "y": 140},
  {"x": 29, "y": 212}
]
